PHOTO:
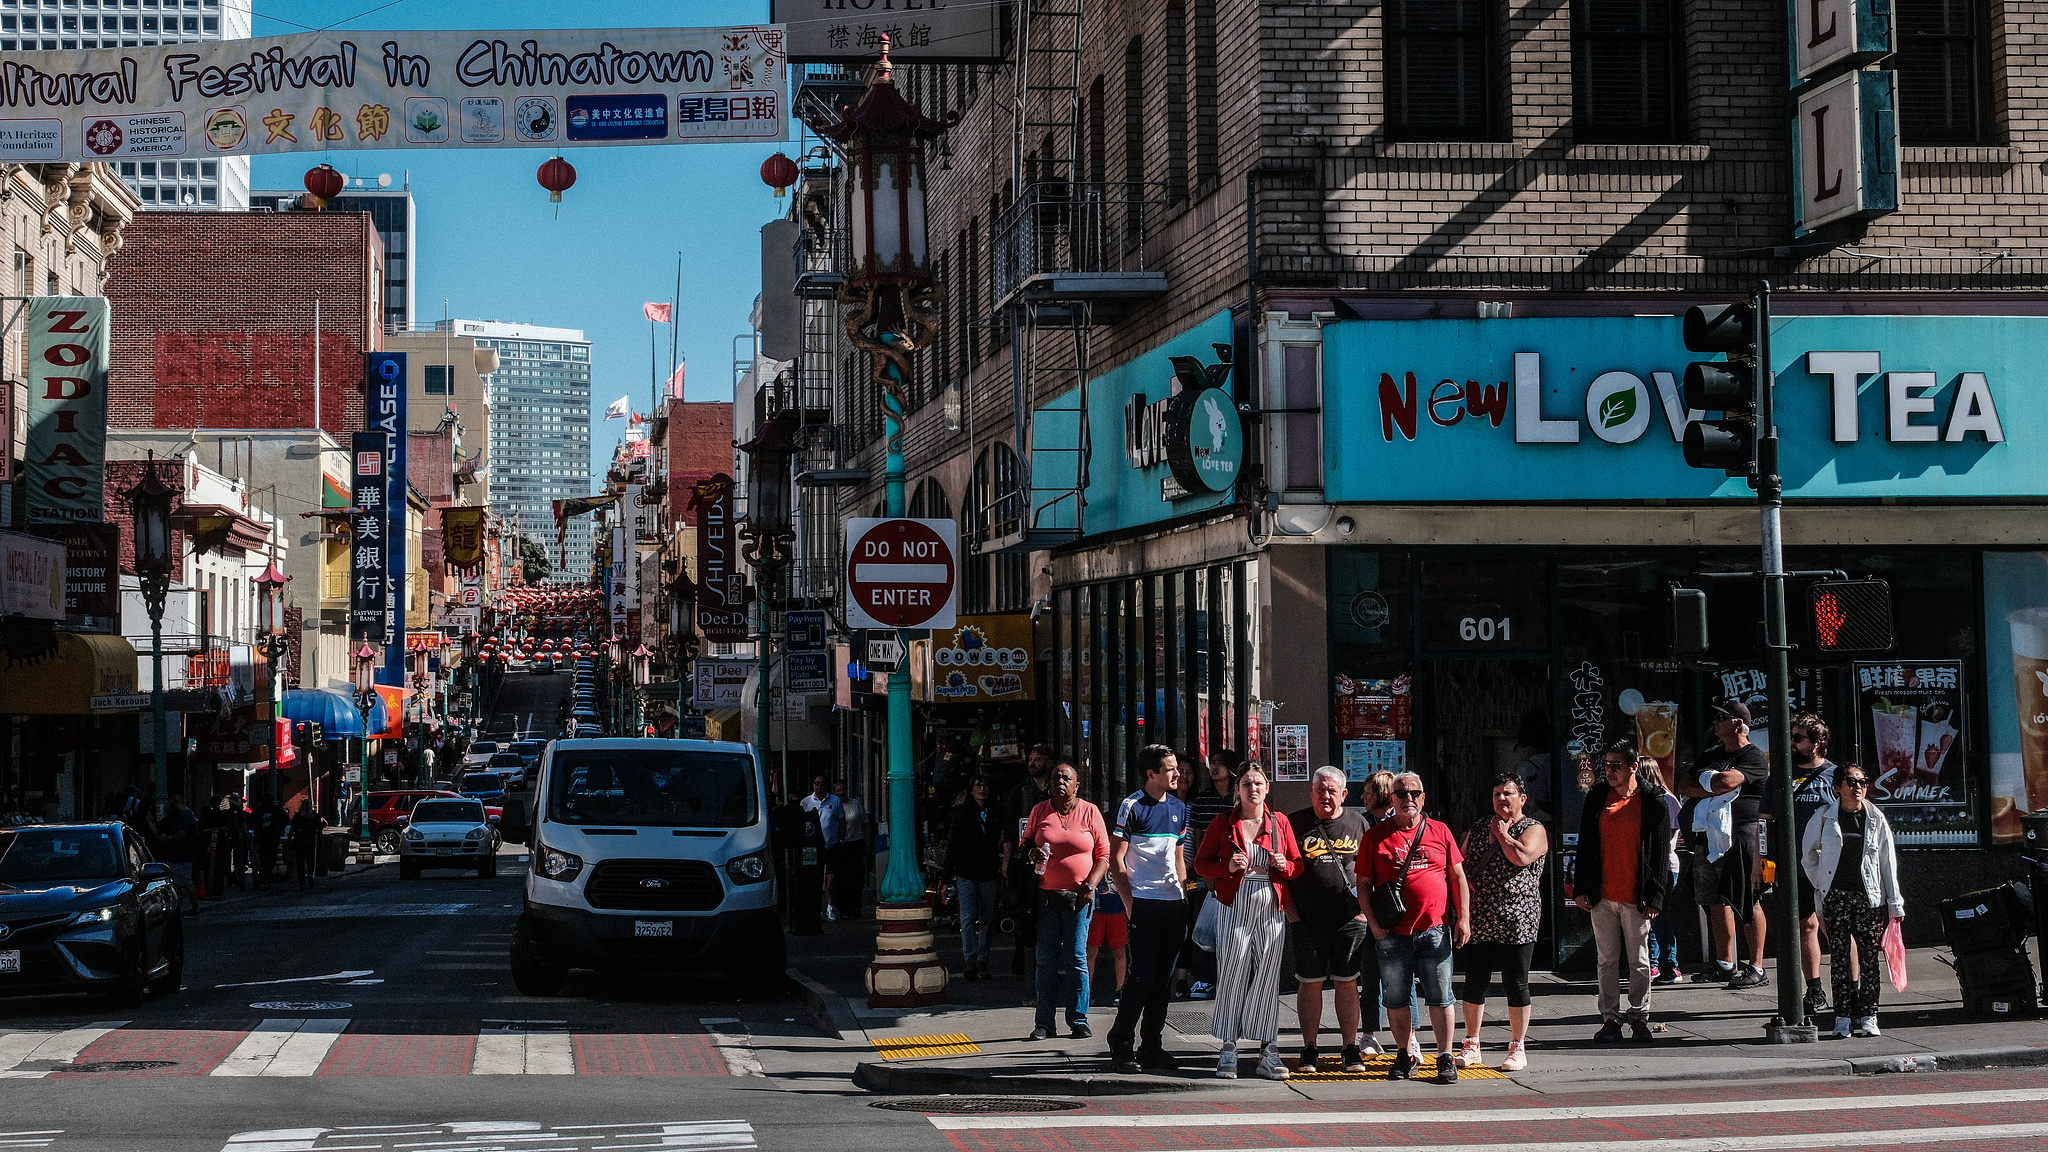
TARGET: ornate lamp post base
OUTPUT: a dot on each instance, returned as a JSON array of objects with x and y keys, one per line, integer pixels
[{"x": 906, "y": 971}]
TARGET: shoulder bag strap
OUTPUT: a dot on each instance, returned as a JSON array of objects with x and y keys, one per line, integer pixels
[{"x": 1421, "y": 827}]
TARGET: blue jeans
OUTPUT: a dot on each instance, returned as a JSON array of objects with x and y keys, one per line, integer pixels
[
  {"x": 1062, "y": 951},
  {"x": 1425, "y": 959},
  {"x": 977, "y": 907},
  {"x": 1664, "y": 934}
]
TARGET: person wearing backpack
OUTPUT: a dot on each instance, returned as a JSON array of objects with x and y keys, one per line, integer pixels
[{"x": 1412, "y": 889}]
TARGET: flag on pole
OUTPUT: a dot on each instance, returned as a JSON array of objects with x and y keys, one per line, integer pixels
[
  {"x": 618, "y": 409},
  {"x": 659, "y": 313},
  {"x": 675, "y": 383},
  {"x": 636, "y": 420}
]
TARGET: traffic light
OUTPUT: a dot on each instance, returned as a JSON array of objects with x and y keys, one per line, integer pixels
[
  {"x": 1727, "y": 386},
  {"x": 1850, "y": 615}
]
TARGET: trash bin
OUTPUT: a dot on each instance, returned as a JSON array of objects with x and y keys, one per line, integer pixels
[{"x": 334, "y": 848}]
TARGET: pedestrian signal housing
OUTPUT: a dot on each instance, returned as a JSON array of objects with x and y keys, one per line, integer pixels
[{"x": 1850, "y": 615}]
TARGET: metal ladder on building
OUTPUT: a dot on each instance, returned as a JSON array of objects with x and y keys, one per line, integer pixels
[{"x": 1048, "y": 341}]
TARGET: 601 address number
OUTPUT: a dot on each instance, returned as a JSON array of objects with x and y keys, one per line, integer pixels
[{"x": 1484, "y": 629}]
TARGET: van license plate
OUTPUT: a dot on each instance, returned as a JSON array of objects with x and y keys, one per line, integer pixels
[
  {"x": 653, "y": 928},
  {"x": 10, "y": 961}
]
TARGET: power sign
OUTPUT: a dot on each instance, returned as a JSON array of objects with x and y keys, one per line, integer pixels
[{"x": 901, "y": 573}]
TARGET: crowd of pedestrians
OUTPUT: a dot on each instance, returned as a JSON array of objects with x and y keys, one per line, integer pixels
[
  {"x": 232, "y": 842},
  {"x": 1195, "y": 887}
]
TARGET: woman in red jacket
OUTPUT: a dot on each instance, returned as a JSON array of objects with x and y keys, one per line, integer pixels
[{"x": 1250, "y": 854}]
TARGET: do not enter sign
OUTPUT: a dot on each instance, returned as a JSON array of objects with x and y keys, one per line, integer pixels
[{"x": 901, "y": 573}]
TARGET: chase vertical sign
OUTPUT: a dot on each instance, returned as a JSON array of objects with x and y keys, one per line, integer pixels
[
  {"x": 1845, "y": 129},
  {"x": 384, "y": 404},
  {"x": 368, "y": 576}
]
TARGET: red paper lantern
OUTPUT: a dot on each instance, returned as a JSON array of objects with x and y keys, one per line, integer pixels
[
  {"x": 778, "y": 172},
  {"x": 557, "y": 177},
  {"x": 324, "y": 183}
]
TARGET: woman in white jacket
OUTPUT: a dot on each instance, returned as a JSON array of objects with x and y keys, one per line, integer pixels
[{"x": 1850, "y": 858}]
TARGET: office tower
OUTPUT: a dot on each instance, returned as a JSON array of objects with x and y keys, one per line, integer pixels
[
  {"x": 540, "y": 429},
  {"x": 392, "y": 214},
  {"x": 191, "y": 182}
]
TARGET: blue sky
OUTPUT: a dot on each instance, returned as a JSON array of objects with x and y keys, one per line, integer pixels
[{"x": 491, "y": 245}]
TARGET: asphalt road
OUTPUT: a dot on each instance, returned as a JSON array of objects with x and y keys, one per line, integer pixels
[{"x": 526, "y": 704}]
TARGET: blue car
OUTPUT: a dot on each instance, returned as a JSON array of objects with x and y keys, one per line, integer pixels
[{"x": 84, "y": 909}]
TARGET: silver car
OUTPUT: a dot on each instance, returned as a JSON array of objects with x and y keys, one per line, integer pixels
[{"x": 447, "y": 832}]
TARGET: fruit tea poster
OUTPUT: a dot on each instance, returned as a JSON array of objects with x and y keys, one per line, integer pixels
[
  {"x": 2016, "y": 679},
  {"x": 1909, "y": 741}
]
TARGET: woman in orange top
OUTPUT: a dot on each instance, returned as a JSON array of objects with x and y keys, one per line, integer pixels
[
  {"x": 1250, "y": 853},
  {"x": 1070, "y": 852}
]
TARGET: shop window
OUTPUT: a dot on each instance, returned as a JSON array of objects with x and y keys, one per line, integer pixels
[
  {"x": 1485, "y": 604},
  {"x": 1626, "y": 71},
  {"x": 1439, "y": 69},
  {"x": 1944, "y": 66}
]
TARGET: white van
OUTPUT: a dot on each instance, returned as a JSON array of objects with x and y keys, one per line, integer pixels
[{"x": 649, "y": 856}]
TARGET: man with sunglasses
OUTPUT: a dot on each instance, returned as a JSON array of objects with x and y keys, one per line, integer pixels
[
  {"x": 1417, "y": 945},
  {"x": 1813, "y": 788}
]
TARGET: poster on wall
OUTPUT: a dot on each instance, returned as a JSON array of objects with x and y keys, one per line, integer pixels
[
  {"x": 1290, "y": 752},
  {"x": 1909, "y": 739},
  {"x": 1362, "y": 758},
  {"x": 2016, "y": 675}
]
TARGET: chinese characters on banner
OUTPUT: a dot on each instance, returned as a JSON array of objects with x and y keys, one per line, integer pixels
[
  {"x": 1909, "y": 739},
  {"x": 336, "y": 91},
  {"x": 930, "y": 33},
  {"x": 65, "y": 464},
  {"x": 384, "y": 408},
  {"x": 462, "y": 537},
  {"x": 617, "y": 574},
  {"x": 367, "y": 578}
]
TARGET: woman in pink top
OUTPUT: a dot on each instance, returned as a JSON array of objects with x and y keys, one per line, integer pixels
[{"x": 1070, "y": 851}]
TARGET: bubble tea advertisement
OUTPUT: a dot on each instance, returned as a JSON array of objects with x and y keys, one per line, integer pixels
[
  {"x": 2016, "y": 670},
  {"x": 1909, "y": 739}
]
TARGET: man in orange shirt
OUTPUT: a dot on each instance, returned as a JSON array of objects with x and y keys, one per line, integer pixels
[{"x": 1621, "y": 877}]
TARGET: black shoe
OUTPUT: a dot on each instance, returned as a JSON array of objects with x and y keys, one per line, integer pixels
[
  {"x": 1639, "y": 1031},
  {"x": 1310, "y": 1059},
  {"x": 1404, "y": 1067},
  {"x": 1352, "y": 1060},
  {"x": 1041, "y": 1032},
  {"x": 1446, "y": 1068},
  {"x": 1609, "y": 1033},
  {"x": 1080, "y": 1031},
  {"x": 1749, "y": 978},
  {"x": 1816, "y": 999},
  {"x": 1158, "y": 1060},
  {"x": 1124, "y": 1062}
]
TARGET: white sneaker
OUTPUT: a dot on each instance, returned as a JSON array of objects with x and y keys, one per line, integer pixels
[
  {"x": 1841, "y": 1027},
  {"x": 1867, "y": 1026},
  {"x": 1370, "y": 1046},
  {"x": 1469, "y": 1055},
  {"x": 1415, "y": 1048},
  {"x": 1271, "y": 1067},
  {"x": 831, "y": 913},
  {"x": 1226, "y": 1063},
  {"x": 1518, "y": 1057}
]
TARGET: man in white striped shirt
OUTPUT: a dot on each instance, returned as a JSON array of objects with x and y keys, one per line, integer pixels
[{"x": 1146, "y": 867}]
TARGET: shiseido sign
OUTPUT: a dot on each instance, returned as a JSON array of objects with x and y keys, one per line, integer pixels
[{"x": 721, "y": 597}]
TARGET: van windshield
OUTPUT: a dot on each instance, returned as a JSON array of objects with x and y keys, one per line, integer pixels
[{"x": 665, "y": 789}]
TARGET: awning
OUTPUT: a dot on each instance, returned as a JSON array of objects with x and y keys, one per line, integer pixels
[
  {"x": 333, "y": 710},
  {"x": 86, "y": 664}
]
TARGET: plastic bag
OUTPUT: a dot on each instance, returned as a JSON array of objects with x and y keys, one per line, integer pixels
[
  {"x": 1894, "y": 945},
  {"x": 1209, "y": 923}
]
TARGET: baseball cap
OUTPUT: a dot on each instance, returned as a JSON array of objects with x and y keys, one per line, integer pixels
[{"x": 1731, "y": 709}]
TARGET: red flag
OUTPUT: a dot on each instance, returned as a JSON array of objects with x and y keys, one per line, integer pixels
[
  {"x": 659, "y": 313},
  {"x": 675, "y": 383}
]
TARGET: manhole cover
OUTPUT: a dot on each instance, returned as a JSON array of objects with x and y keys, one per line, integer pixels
[
  {"x": 975, "y": 1105},
  {"x": 300, "y": 1005},
  {"x": 117, "y": 1066}
]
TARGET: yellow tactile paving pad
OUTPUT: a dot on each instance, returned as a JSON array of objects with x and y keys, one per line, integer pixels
[
  {"x": 1377, "y": 1067},
  {"x": 914, "y": 1047}
]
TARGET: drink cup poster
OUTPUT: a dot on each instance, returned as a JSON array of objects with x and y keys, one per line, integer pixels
[
  {"x": 2016, "y": 679},
  {"x": 1909, "y": 741}
]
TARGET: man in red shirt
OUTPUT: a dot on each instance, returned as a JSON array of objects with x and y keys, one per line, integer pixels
[{"x": 1417, "y": 945}]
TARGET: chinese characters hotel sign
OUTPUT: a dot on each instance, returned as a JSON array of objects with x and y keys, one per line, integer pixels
[{"x": 333, "y": 91}]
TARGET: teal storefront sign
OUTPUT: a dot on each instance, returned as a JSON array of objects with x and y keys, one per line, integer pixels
[
  {"x": 1590, "y": 409},
  {"x": 1152, "y": 453}
]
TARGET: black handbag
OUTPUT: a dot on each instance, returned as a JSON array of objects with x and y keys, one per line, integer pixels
[{"x": 1387, "y": 905}]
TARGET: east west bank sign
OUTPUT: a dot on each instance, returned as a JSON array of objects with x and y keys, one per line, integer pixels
[{"x": 1590, "y": 409}]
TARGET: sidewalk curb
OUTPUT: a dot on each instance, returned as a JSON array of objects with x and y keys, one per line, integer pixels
[
  {"x": 1957, "y": 1061},
  {"x": 828, "y": 1010},
  {"x": 2014, "y": 1057},
  {"x": 910, "y": 1079}
]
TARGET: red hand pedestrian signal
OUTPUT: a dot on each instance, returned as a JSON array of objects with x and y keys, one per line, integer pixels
[
  {"x": 1851, "y": 615},
  {"x": 1828, "y": 619}
]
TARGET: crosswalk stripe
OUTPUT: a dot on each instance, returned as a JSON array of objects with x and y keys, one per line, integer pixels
[
  {"x": 282, "y": 1047},
  {"x": 57, "y": 1047},
  {"x": 1968, "y": 1134},
  {"x": 1505, "y": 1115}
]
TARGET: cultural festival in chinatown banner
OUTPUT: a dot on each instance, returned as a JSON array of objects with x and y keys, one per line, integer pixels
[{"x": 334, "y": 91}]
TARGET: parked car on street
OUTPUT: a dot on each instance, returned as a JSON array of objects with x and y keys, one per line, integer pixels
[
  {"x": 84, "y": 909},
  {"x": 389, "y": 812},
  {"x": 510, "y": 765},
  {"x": 448, "y": 832},
  {"x": 480, "y": 753}
]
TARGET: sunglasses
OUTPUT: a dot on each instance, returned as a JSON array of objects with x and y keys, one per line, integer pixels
[
  {"x": 1802, "y": 738},
  {"x": 1616, "y": 765},
  {"x": 1855, "y": 782},
  {"x": 1406, "y": 794}
]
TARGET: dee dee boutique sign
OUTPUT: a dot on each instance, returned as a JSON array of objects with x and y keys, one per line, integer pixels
[{"x": 1590, "y": 408}]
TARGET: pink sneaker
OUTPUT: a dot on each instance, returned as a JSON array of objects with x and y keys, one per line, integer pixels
[{"x": 1518, "y": 1058}]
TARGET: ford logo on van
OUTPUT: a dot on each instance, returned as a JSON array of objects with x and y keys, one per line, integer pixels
[{"x": 654, "y": 882}]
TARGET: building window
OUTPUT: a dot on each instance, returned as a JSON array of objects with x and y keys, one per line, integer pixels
[
  {"x": 1439, "y": 69},
  {"x": 1625, "y": 71},
  {"x": 437, "y": 379},
  {"x": 1176, "y": 102},
  {"x": 1206, "y": 171},
  {"x": 1944, "y": 69}
]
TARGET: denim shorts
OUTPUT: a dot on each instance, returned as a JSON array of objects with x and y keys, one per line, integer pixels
[{"x": 1424, "y": 958}]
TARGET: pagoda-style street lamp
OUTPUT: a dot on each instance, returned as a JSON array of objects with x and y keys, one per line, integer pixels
[
  {"x": 150, "y": 503},
  {"x": 274, "y": 644},
  {"x": 893, "y": 312},
  {"x": 768, "y": 537},
  {"x": 364, "y": 671},
  {"x": 642, "y": 675}
]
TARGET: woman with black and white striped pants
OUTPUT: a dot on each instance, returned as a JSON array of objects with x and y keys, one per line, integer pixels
[{"x": 1249, "y": 854}]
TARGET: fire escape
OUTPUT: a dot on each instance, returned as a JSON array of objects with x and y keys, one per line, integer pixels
[{"x": 1068, "y": 255}]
